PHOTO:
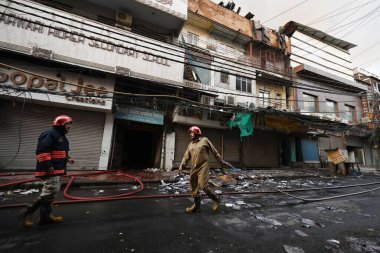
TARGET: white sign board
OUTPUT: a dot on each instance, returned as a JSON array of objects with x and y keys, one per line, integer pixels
[
  {"x": 50, "y": 33},
  {"x": 56, "y": 86}
]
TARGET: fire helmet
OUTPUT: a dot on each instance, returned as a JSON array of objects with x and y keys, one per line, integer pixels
[
  {"x": 196, "y": 130},
  {"x": 61, "y": 120}
]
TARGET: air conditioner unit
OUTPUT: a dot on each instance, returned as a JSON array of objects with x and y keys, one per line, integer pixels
[
  {"x": 230, "y": 100},
  {"x": 123, "y": 20},
  {"x": 207, "y": 100}
]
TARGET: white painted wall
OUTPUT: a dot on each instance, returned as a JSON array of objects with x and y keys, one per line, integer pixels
[
  {"x": 315, "y": 53},
  {"x": 169, "y": 152}
]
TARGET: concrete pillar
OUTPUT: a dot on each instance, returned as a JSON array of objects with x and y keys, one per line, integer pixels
[
  {"x": 169, "y": 151},
  {"x": 106, "y": 142}
]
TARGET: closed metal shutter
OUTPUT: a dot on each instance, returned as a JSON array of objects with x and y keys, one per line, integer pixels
[
  {"x": 261, "y": 150},
  {"x": 309, "y": 149},
  {"x": 231, "y": 146},
  {"x": 183, "y": 140},
  {"x": 85, "y": 136}
]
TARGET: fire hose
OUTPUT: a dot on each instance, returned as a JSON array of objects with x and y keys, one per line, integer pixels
[{"x": 128, "y": 196}]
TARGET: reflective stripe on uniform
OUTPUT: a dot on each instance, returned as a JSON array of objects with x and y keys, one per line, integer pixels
[
  {"x": 58, "y": 154},
  {"x": 44, "y": 173},
  {"x": 43, "y": 157}
]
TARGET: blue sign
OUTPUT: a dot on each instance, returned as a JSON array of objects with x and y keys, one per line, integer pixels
[{"x": 140, "y": 114}]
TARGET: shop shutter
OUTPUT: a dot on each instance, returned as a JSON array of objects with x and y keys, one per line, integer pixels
[
  {"x": 85, "y": 136},
  {"x": 310, "y": 150},
  {"x": 231, "y": 146},
  {"x": 183, "y": 140},
  {"x": 261, "y": 150}
]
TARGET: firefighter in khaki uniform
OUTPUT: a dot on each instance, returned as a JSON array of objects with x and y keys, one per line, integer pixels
[
  {"x": 198, "y": 153},
  {"x": 52, "y": 158}
]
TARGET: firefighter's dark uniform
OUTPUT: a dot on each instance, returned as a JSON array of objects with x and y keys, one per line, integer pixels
[
  {"x": 52, "y": 156},
  {"x": 198, "y": 152},
  {"x": 52, "y": 152}
]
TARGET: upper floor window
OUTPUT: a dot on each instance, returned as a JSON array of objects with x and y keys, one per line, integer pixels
[
  {"x": 243, "y": 84},
  {"x": 264, "y": 99},
  {"x": 331, "y": 108},
  {"x": 192, "y": 38},
  {"x": 309, "y": 103},
  {"x": 349, "y": 112},
  {"x": 224, "y": 77}
]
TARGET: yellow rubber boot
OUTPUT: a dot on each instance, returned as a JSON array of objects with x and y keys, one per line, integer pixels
[
  {"x": 46, "y": 215},
  {"x": 216, "y": 206},
  {"x": 26, "y": 214},
  {"x": 26, "y": 219},
  {"x": 196, "y": 207}
]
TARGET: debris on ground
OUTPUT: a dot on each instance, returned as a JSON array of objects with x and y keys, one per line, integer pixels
[
  {"x": 291, "y": 249},
  {"x": 363, "y": 245},
  {"x": 309, "y": 223},
  {"x": 300, "y": 233},
  {"x": 270, "y": 221},
  {"x": 332, "y": 244}
]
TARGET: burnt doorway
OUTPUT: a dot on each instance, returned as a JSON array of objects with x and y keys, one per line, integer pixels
[{"x": 136, "y": 146}]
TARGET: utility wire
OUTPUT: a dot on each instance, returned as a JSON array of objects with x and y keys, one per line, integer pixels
[
  {"x": 134, "y": 43},
  {"x": 285, "y": 11}
]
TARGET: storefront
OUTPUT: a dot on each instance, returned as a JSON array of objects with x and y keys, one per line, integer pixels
[
  {"x": 226, "y": 141},
  {"x": 31, "y": 96},
  {"x": 138, "y": 138}
]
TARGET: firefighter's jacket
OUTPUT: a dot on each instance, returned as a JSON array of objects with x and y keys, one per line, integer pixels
[
  {"x": 198, "y": 153},
  {"x": 52, "y": 152}
]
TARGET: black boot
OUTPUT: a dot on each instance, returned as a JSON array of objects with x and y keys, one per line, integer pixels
[
  {"x": 46, "y": 215},
  {"x": 215, "y": 199},
  {"x": 196, "y": 207},
  {"x": 26, "y": 214}
]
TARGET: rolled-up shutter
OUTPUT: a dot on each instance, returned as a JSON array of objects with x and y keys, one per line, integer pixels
[{"x": 23, "y": 123}]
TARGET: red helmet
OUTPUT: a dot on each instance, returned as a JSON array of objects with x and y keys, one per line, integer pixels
[
  {"x": 196, "y": 130},
  {"x": 61, "y": 120}
]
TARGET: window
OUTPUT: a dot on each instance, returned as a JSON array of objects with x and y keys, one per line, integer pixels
[
  {"x": 264, "y": 98},
  {"x": 224, "y": 77},
  {"x": 309, "y": 103},
  {"x": 192, "y": 38},
  {"x": 331, "y": 108},
  {"x": 349, "y": 112},
  {"x": 243, "y": 84}
]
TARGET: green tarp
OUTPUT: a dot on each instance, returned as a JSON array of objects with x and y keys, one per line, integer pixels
[{"x": 244, "y": 122}]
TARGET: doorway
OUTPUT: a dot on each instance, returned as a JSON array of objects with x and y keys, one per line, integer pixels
[{"x": 136, "y": 146}]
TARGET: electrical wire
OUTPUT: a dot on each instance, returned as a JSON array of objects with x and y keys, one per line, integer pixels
[
  {"x": 130, "y": 43},
  {"x": 286, "y": 11}
]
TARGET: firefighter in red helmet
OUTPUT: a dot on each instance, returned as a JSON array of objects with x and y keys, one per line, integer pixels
[
  {"x": 198, "y": 153},
  {"x": 52, "y": 158}
]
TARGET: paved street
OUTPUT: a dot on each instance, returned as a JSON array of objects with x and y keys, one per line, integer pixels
[{"x": 247, "y": 223}]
